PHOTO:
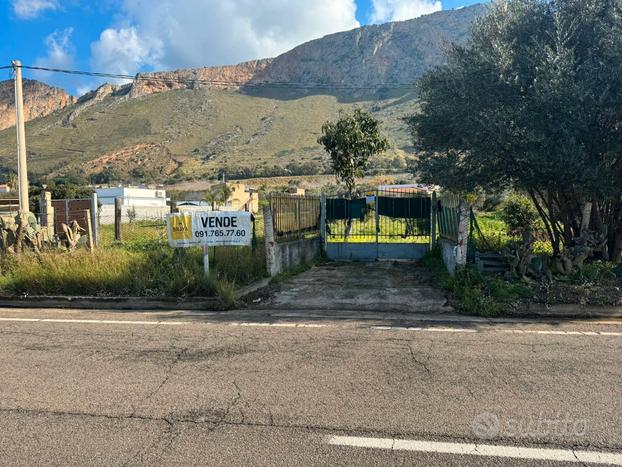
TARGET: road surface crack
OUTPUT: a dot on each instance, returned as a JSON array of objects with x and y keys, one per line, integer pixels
[{"x": 417, "y": 361}]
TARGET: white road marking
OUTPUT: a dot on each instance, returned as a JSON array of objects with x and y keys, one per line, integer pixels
[
  {"x": 312, "y": 325},
  {"x": 561, "y": 333},
  {"x": 505, "y": 331},
  {"x": 161, "y": 323},
  {"x": 485, "y": 450},
  {"x": 402, "y": 328}
]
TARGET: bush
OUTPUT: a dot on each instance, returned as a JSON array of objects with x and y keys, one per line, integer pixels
[
  {"x": 474, "y": 293},
  {"x": 519, "y": 214}
]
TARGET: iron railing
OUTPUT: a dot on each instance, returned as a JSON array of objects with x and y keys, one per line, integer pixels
[
  {"x": 389, "y": 216},
  {"x": 295, "y": 216}
]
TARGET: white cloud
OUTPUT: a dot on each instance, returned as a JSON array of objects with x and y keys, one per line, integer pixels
[
  {"x": 60, "y": 53},
  {"x": 399, "y": 10},
  {"x": 29, "y": 9},
  {"x": 60, "y": 50},
  {"x": 120, "y": 51},
  {"x": 166, "y": 34}
]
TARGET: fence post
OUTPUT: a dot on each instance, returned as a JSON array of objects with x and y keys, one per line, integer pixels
[
  {"x": 464, "y": 219},
  {"x": 433, "y": 221},
  {"x": 94, "y": 222},
  {"x": 298, "y": 221},
  {"x": 323, "y": 221},
  {"x": 377, "y": 218},
  {"x": 89, "y": 231},
  {"x": 47, "y": 213},
  {"x": 117, "y": 219},
  {"x": 268, "y": 223}
]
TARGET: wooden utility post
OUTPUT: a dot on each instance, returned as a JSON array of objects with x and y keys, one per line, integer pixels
[
  {"x": 22, "y": 169},
  {"x": 117, "y": 218}
]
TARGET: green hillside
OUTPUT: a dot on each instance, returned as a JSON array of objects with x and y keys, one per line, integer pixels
[{"x": 190, "y": 134}]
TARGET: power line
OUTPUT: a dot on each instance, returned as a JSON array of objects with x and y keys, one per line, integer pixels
[{"x": 215, "y": 82}]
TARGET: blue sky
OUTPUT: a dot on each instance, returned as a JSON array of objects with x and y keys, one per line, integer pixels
[{"x": 127, "y": 36}]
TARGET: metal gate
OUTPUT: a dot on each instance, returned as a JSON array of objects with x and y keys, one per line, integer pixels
[{"x": 388, "y": 224}]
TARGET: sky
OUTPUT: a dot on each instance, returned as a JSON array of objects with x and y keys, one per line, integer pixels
[{"x": 128, "y": 36}]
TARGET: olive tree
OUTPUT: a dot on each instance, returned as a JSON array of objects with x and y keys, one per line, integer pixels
[
  {"x": 533, "y": 102},
  {"x": 351, "y": 142}
]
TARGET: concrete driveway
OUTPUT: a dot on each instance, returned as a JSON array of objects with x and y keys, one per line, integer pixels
[{"x": 375, "y": 286}]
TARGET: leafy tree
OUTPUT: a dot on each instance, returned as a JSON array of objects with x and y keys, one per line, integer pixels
[
  {"x": 533, "y": 102},
  {"x": 519, "y": 215},
  {"x": 351, "y": 141},
  {"x": 217, "y": 195},
  {"x": 106, "y": 176},
  {"x": 11, "y": 180}
]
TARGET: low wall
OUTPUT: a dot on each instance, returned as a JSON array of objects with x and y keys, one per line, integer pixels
[
  {"x": 449, "y": 252},
  {"x": 284, "y": 256},
  {"x": 372, "y": 251}
]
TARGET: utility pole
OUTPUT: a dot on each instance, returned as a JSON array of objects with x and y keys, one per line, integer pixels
[{"x": 22, "y": 169}]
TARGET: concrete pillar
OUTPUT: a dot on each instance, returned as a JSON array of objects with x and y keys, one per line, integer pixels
[
  {"x": 47, "y": 213},
  {"x": 271, "y": 263},
  {"x": 464, "y": 213}
]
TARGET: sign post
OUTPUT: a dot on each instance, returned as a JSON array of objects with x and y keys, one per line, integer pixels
[
  {"x": 209, "y": 228},
  {"x": 206, "y": 259}
]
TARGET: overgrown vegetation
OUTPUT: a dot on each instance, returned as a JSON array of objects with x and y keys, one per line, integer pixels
[
  {"x": 147, "y": 269},
  {"x": 476, "y": 294}
]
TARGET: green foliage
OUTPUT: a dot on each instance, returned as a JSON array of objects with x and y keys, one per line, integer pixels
[
  {"x": 519, "y": 215},
  {"x": 474, "y": 293},
  {"x": 592, "y": 273},
  {"x": 106, "y": 176},
  {"x": 533, "y": 103},
  {"x": 68, "y": 187},
  {"x": 351, "y": 142}
]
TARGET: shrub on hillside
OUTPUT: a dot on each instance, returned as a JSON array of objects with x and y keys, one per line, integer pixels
[{"x": 519, "y": 214}]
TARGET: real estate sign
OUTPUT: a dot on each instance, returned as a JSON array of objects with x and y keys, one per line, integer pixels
[{"x": 209, "y": 228}]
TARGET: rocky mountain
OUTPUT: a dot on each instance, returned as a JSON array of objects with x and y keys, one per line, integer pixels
[
  {"x": 373, "y": 57},
  {"x": 257, "y": 118},
  {"x": 39, "y": 100}
]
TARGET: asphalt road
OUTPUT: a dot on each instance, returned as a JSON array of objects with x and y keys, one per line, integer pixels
[{"x": 101, "y": 388}]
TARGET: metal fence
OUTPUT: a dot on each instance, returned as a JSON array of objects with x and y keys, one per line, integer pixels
[
  {"x": 448, "y": 216},
  {"x": 9, "y": 206},
  {"x": 131, "y": 227},
  {"x": 295, "y": 216},
  {"x": 390, "y": 216}
]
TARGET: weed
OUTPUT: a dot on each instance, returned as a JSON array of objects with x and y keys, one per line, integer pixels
[{"x": 474, "y": 293}]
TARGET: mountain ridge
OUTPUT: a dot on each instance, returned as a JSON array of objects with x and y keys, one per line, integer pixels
[{"x": 259, "y": 117}]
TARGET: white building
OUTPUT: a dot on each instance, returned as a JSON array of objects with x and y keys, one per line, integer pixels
[
  {"x": 136, "y": 204},
  {"x": 137, "y": 197}
]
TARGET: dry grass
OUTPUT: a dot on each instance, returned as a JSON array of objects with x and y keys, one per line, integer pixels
[{"x": 153, "y": 270}]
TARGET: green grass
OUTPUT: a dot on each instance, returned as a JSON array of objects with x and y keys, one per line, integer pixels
[
  {"x": 141, "y": 269},
  {"x": 391, "y": 231},
  {"x": 496, "y": 237}
]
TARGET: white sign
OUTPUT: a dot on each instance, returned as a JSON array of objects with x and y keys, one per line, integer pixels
[{"x": 212, "y": 228}]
